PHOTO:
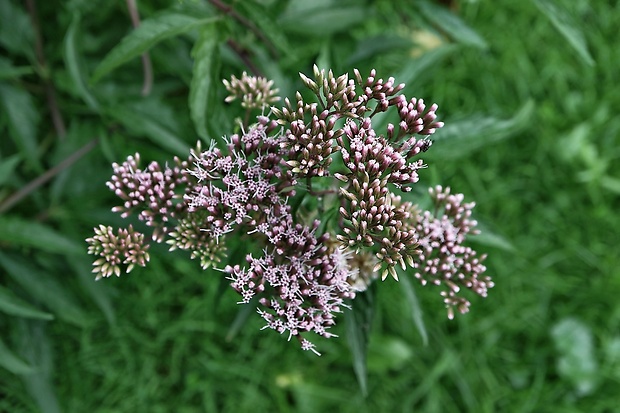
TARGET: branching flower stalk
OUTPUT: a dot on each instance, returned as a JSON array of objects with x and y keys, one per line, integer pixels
[{"x": 264, "y": 189}]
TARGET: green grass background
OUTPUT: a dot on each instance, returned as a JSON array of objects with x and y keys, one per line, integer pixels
[{"x": 547, "y": 339}]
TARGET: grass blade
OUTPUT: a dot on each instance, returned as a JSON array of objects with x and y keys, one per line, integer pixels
[
  {"x": 16, "y": 231},
  {"x": 452, "y": 25},
  {"x": 44, "y": 288},
  {"x": 568, "y": 27},
  {"x": 11, "y": 362},
  {"x": 13, "y": 305}
]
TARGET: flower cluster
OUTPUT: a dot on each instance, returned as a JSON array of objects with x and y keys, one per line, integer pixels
[
  {"x": 254, "y": 92},
  {"x": 125, "y": 247},
  {"x": 320, "y": 194},
  {"x": 443, "y": 259}
]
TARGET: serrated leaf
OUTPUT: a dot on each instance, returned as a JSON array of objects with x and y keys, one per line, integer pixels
[
  {"x": 71, "y": 57},
  {"x": 568, "y": 27},
  {"x": 460, "y": 137},
  {"x": 44, "y": 288},
  {"x": 16, "y": 231},
  {"x": 204, "y": 78},
  {"x": 325, "y": 20},
  {"x": 357, "y": 324},
  {"x": 11, "y": 362},
  {"x": 451, "y": 24},
  {"x": 148, "y": 34},
  {"x": 13, "y": 305},
  {"x": 416, "y": 310},
  {"x": 23, "y": 119}
]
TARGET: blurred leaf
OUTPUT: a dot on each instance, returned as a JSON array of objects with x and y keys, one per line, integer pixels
[
  {"x": 611, "y": 184},
  {"x": 266, "y": 23},
  {"x": 35, "y": 346},
  {"x": 372, "y": 47},
  {"x": 388, "y": 353},
  {"x": 23, "y": 120},
  {"x": 44, "y": 288},
  {"x": 576, "y": 362},
  {"x": 11, "y": 362},
  {"x": 148, "y": 34},
  {"x": 16, "y": 231},
  {"x": 458, "y": 138},
  {"x": 491, "y": 239},
  {"x": 8, "y": 71},
  {"x": 416, "y": 311},
  {"x": 327, "y": 19},
  {"x": 568, "y": 27},
  {"x": 148, "y": 125},
  {"x": 451, "y": 24},
  {"x": 357, "y": 323},
  {"x": 7, "y": 167},
  {"x": 204, "y": 78},
  {"x": 13, "y": 305},
  {"x": 72, "y": 57},
  {"x": 16, "y": 34}
]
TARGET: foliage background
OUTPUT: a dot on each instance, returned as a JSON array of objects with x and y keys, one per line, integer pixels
[{"x": 528, "y": 91}]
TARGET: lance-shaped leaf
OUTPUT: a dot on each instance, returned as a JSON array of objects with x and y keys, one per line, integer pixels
[{"x": 148, "y": 34}]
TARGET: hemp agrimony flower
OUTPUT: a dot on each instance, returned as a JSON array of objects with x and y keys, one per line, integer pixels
[{"x": 313, "y": 194}]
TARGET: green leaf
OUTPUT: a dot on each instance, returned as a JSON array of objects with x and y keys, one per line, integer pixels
[
  {"x": 371, "y": 47},
  {"x": 451, "y": 24},
  {"x": 326, "y": 20},
  {"x": 458, "y": 138},
  {"x": 11, "y": 362},
  {"x": 492, "y": 239},
  {"x": 416, "y": 311},
  {"x": 205, "y": 77},
  {"x": 13, "y": 305},
  {"x": 71, "y": 57},
  {"x": 16, "y": 231},
  {"x": 148, "y": 34},
  {"x": 44, "y": 288},
  {"x": 148, "y": 125},
  {"x": 8, "y": 71},
  {"x": 357, "y": 324},
  {"x": 16, "y": 34},
  {"x": 267, "y": 25},
  {"x": 7, "y": 167},
  {"x": 23, "y": 119},
  {"x": 567, "y": 26}
]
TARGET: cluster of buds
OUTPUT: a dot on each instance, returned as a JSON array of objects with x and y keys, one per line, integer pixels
[
  {"x": 270, "y": 183},
  {"x": 254, "y": 92}
]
